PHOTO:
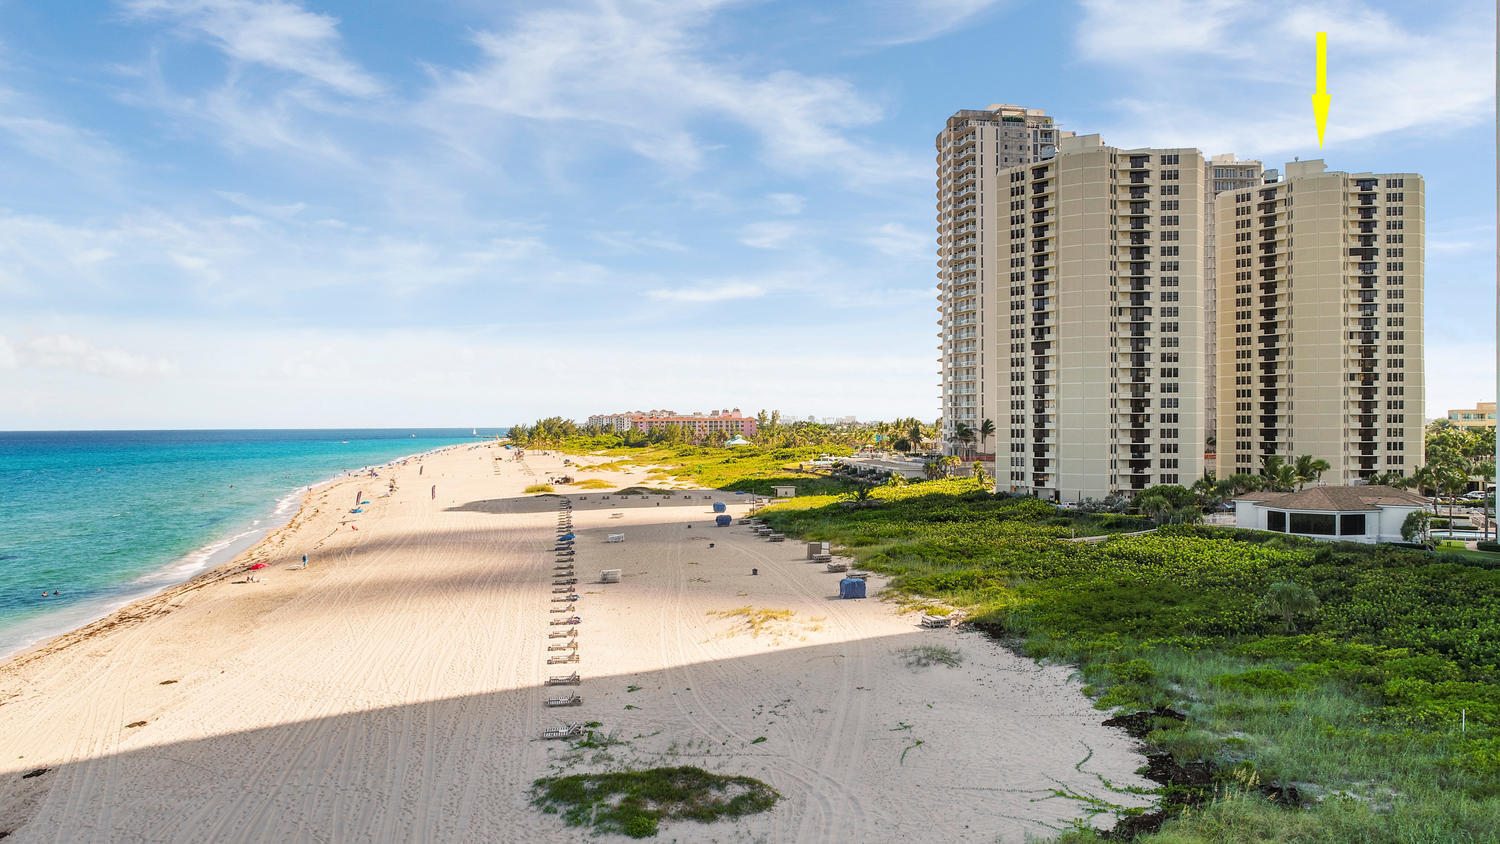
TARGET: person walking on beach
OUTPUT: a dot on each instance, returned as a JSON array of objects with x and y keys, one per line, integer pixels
[{"x": 304, "y": 561}]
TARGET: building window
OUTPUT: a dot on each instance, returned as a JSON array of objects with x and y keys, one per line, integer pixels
[
  {"x": 1276, "y": 520},
  {"x": 1316, "y": 524},
  {"x": 1352, "y": 524}
]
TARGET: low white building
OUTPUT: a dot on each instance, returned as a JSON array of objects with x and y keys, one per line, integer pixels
[{"x": 1344, "y": 513}]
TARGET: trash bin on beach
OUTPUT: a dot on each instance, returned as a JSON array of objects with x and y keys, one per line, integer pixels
[{"x": 722, "y": 521}]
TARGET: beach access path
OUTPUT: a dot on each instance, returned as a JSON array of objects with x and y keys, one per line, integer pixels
[{"x": 394, "y": 689}]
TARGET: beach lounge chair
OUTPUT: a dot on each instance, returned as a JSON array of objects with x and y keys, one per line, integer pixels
[
  {"x": 571, "y": 646},
  {"x": 568, "y": 608},
  {"x": 936, "y": 621},
  {"x": 574, "y": 699},
  {"x": 562, "y": 590},
  {"x": 563, "y": 599},
  {"x": 574, "y": 620},
  {"x": 565, "y": 581},
  {"x": 565, "y": 679},
  {"x": 561, "y": 660},
  {"x": 617, "y": 515},
  {"x": 567, "y": 732},
  {"x": 562, "y": 634},
  {"x": 777, "y": 537},
  {"x": 615, "y": 537},
  {"x": 822, "y": 558},
  {"x": 838, "y": 567}
]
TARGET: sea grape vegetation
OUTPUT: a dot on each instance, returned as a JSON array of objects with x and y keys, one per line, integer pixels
[{"x": 1311, "y": 691}]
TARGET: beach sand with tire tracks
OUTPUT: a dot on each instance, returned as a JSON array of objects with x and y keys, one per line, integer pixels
[{"x": 394, "y": 689}]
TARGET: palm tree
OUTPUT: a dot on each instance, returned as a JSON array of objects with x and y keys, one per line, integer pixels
[
  {"x": 986, "y": 430},
  {"x": 1309, "y": 468},
  {"x": 914, "y": 433},
  {"x": 1154, "y": 507},
  {"x": 1288, "y": 601},
  {"x": 1452, "y": 479},
  {"x": 1277, "y": 475},
  {"x": 964, "y": 434},
  {"x": 1484, "y": 470}
]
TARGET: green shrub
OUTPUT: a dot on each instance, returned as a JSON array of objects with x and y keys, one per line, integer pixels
[{"x": 1267, "y": 681}]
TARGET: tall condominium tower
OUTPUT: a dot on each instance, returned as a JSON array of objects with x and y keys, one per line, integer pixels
[
  {"x": 1100, "y": 372},
  {"x": 1224, "y": 174},
  {"x": 1320, "y": 321},
  {"x": 972, "y": 148}
]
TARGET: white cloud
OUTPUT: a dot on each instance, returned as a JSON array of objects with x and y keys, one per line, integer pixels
[
  {"x": 29, "y": 128},
  {"x": 642, "y": 75},
  {"x": 64, "y": 351},
  {"x": 900, "y": 241},
  {"x": 632, "y": 243},
  {"x": 8, "y": 357},
  {"x": 769, "y": 235},
  {"x": 1237, "y": 74},
  {"x": 273, "y": 33},
  {"x": 786, "y": 203},
  {"x": 713, "y": 292},
  {"x": 920, "y": 20}
]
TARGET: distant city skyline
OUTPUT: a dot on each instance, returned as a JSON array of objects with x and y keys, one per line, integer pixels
[{"x": 307, "y": 213}]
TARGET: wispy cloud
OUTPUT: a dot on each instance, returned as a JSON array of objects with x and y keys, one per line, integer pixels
[
  {"x": 910, "y": 21},
  {"x": 29, "y": 128},
  {"x": 899, "y": 241},
  {"x": 644, "y": 76},
  {"x": 276, "y": 34},
  {"x": 710, "y": 292},
  {"x": 786, "y": 203},
  {"x": 773, "y": 234},
  {"x": 1236, "y": 74},
  {"x": 64, "y": 351},
  {"x": 626, "y": 242}
]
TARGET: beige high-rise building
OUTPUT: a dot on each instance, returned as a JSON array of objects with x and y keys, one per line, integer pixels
[
  {"x": 971, "y": 150},
  {"x": 1224, "y": 173},
  {"x": 1100, "y": 375},
  {"x": 1320, "y": 322}
]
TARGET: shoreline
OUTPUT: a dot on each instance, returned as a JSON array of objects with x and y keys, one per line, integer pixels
[
  {"x": 219, "y": 553},
  {"x": 397, "y": 689}
]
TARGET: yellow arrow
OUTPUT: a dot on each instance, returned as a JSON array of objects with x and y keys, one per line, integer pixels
[{"x": 1320, "y": 94}]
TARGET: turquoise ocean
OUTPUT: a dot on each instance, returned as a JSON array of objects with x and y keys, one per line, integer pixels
[{"x": 105, "y": 517}]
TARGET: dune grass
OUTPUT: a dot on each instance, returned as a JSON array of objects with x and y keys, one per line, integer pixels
[
  {"x": 756, "y": 620},
  {"x": 1381, "y": 708},
  {"x": 594, "y": 483},
  {"x": 537, "y": 488},
  {"x": 635, "y": 803}
]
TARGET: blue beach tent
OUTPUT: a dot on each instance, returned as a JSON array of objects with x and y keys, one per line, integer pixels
[
  {"x": 722, "y": 521},
  {"x": 719, "y": 507},
  {"x": 851, "y": 587}
]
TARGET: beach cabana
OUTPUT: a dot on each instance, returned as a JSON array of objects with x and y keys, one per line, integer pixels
[
  {"x": 738, "y": 440},
  {"x": 851, "y": 587}
]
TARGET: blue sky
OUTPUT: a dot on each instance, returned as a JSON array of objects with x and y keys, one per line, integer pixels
[{"x": 284, "y": 213}]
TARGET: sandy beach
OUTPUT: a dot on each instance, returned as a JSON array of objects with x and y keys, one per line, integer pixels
[{"x": 394, "y": 690}]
